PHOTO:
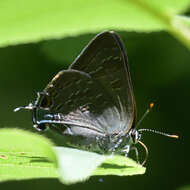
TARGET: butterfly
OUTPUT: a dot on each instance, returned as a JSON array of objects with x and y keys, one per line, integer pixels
[{"x": 92, "y": 103}]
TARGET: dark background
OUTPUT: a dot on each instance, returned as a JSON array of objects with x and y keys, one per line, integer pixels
[{"x": 160, "y": 69}]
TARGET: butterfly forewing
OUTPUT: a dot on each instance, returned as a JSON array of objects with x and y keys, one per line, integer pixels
[{"x": 105, "y": 60}]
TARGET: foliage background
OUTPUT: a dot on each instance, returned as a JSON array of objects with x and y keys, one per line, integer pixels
[{"x": 160, "y": 69}]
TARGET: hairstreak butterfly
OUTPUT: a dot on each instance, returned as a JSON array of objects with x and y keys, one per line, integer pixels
[{"x": 92, "y": 102}]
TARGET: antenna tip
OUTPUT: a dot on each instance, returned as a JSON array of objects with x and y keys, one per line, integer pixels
[
  {"x": 174, "y": 136},
  {"x": 151, "y": 105}
]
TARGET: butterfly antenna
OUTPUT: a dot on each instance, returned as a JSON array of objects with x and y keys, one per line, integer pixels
[
  {"x": 157, "y": 132},
  {"x": 160, "y": 133},
  {"x": 146, "y": 150},
  {"x": 151, "y": 105}
]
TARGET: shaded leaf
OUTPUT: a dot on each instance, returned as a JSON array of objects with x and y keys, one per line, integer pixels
[{"x": 35, "y": 20}]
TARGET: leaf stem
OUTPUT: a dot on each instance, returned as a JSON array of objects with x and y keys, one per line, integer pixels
[{"x": 173, "y": 25}]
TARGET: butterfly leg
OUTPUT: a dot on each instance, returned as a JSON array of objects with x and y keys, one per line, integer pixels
[
  {"x": 115, "y": 147},
  {"x": 40, "y": 127},
  {"x": 126, "y": 150},
  {"x": 136, "y": 153}
]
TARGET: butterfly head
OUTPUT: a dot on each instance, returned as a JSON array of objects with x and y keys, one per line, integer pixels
[{"x": 135, "y": 135}]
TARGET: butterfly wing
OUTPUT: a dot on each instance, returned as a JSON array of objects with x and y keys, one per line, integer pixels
[
  {"x": 105, "y": 60},
  {"x": 79, "y": 100}
]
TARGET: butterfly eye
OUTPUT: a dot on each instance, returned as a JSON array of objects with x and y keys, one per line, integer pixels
[
  {"x": 134, "y": 135},
  {"x": 46, "y": 102},
  {"x": 134, "y": 138}
]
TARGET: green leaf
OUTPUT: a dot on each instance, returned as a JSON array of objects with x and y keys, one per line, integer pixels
[
  {"x": 24, "y": 155},
  {"x": 186, "y": 187},
  {"x": 36, "y": 20},
  {"x": 77, "y": 165}
]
